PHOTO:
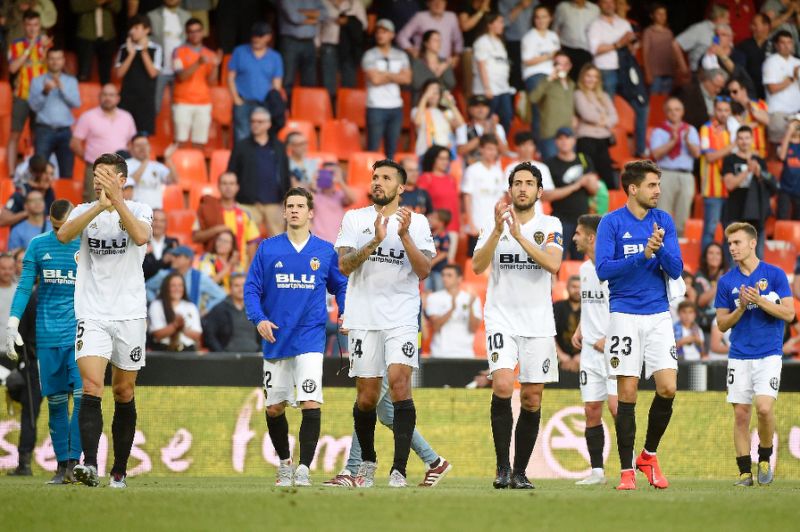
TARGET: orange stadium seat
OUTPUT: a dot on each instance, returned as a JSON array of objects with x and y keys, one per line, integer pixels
[
  {"x": 163, "y": 135},
  {"x": 191, "y": 167},
  {"x": 656, "y": 115},
  {"x": 223, "y": 71},
  {"x": 788, "y": 231},
  {"x": 351, "y": 104},
  {"x": 359, "y": 168},
  {"x": 180, "y": 223},
  {"x": 312, "y": 104},
  {"x": 5, "y": 98},
  {"x": 341, "y": 137},
  {"x": 559, "y": 291},
  {"x": 221, "y": 106},
  {"x": 3, "y": 162},
  {"x": 219, "y": 163},
  {"x": 323, "y": 156},
  {"x": 199, "y": 190},
  {"x": 69, "y": 190},
  {"x": 568, "y": 269},
  {"x": 90, "y": 97},
  {"x": 301, "y": 126},
  {"x": 627, "y": 118},
  {"x": 6, "y": 189},
  {"x": 693, "y": 229},
  {"x": 173, "y": 198},
  {"x": 621, "y": 152},
  {"x": 784, "y": 257},
  {"x": 616, "y": 199},
  {"x": 362, "y": 196},
  {"x": 4, "y": 232},
  {"x": 690, "y": 252}
]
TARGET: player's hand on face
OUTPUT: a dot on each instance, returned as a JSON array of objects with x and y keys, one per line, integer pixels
[
  {"x": 381, "y": 224},
  {"x": 577, "y": 339},
  {"x": 265, "y": 329},
  {"x": 103, "y": 199},
  {"x": 600, "y": 345},
  {"x": 404, "y": 219}
]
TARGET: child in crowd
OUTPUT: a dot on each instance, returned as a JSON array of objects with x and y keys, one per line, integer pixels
[
  {"x": 689, "y": 337},
  {"x": 438, "y": 221}
]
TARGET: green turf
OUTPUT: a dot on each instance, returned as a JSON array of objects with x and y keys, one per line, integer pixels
[{"x": 153, "y": 503}]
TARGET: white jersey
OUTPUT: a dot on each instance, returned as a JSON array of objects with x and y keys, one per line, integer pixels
[
  {"x": 110, "y": 283},
  {"x": 519, "y": 300},
  {"x": 594, "y": 304},
  {"x": 382, "y": 293},
  {"x": 454, "y": 339}
]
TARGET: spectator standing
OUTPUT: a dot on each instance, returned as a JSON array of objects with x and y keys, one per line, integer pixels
[
  {"x": 789, "y": 154},
  {"x": 781, "y": 72},
  {"x": 436, "y": 17},
  {"x": 574, "y": 180},
  {"x": 784, "y": 16},
  {"x": 571, "y": 22},
  {"x": 36, "y": 222},
  {"x": 539, "y": 47},
  {"x": 555, "y": 98},
  {"x": 150, "y": 176},
  {"x": 341, "y": 38},
  {"x": 199, "y": 287},
  {"x": 215, "y": 216},
  {"x": 226, "y": 327},
  {"x": 96, "y": 36},
  {"x": 302, "y": 169},
  {"x": 400, "y": 12},
  {"x": 567, "y": 315},
  {"x": 195, "y": 68},
  {"x": 675, "y": 145},
  {"x": 442, "y": 187},
  {"x": 454, "y": 315},
  {"x": 518, "y": 15},
  {"x": 471, "y": 18},
  {"x": 526, "y": 153},
  {"x": 199, "y": 10},
  {"x": 38, "y": 179},
  {"x": 222, "y": 261},
  {"x": 429, "y": 65},
  {"x": 722, "y": 54},
  {"x": 698, "y": 97},
  {"x": 167, "y": 24},
  {"x": 713, "y": 264},
  {"x": 254, "y": 71},
  {"x": 657, "y": 52},
  {"x": 174, "y": 320},
  {"x": 102, "y": 129},
  {"x": 14, "y": 14},
  {"x": 330, "y": 200},
  {"x": 696, "y": 39},
  {"x": 386, "y": 68},
  {"x": 492, "y": 70},
  {"x": 715, "y": 145},
  {"x": 606, "y": 34},
  {"x": 438, "y": 221},
  {"x": 52, "y": 96},
  {"x": 158, "y": 257},
  {"x": 26, "y": 61},
  {"x": 482, "y": 186},
  {"x": 138, "y": 65},
  {"x": 755, "y": 50},
  {"x": 298, "y": 24},
  {"x": 415, "y": 198},
  {"x": 480, "y": 121},
  {"x": 597, "y": 117},
  {"x": 689, "y": 338},
  {"x": 436, "y": 118},
  {"x": 754, "y": 114}
]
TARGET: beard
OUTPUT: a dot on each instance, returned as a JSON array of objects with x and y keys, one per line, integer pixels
[
  {"x": 384, "y": 200},
  {"x": 524, "y": 206}
]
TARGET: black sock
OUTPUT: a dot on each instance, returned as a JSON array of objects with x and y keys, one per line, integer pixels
[
  {"x": 595, "y": 441},
  {"x": 405, "y": 419},
  {"x": 364, "y": 425},
  {"x": 745, "y": 464},
  {"x": 123, "y": 429},
  {"x": 764, "y": 453},
  {"x": 309, "y": 434},
  {"x": 657, "y": 421},
  {"x": 90, "y": 421},
  {"x": 278, "y": 429},
  {"x": 525, "y": 438},
  {"x": 502, "y": 422},
  {"x": 626, "y": 433}
]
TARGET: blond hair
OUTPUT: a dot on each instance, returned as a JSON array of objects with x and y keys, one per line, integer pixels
[
  {"x": 741, "y": 226},
  {"x": 598, "y": 90}
]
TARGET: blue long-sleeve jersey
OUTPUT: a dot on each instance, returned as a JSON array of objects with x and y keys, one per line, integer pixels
[
  {"x": 288, "y": 288},
  {"x": 636, "y": 285},
  {"x": 56, "y": 267}
]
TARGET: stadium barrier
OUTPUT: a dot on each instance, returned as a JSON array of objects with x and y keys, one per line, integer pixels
[{"x": 220, "y": 431}]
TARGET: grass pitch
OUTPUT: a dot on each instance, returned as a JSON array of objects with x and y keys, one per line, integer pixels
[{"x": 157, "y": 503}]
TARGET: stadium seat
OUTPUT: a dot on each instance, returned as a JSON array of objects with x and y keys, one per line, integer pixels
[
  {"x": 221, "y": 106},
  {"x": 690, "y": 252},
  {"x": 788, "y": 231},
  {"x": 3, "y": 163},
  {"x": 616, "y": 199},
  {"x": 6, "y": 189},
  {"x": 471, "y": 277},
  {"x": 191, "y": 167},
  {"x": 627, "y": 118},
  {"x": 163, "y": 135},
  {"x": 359, "y": 169},
  {"x": 621, "y": 151},
  {"x": 5, "y": 98},
  {"x": 362, "y": 196},
  {"x": 351, "y": 104},
  {"x": 568, "y": 269},
  {"x": 784, "y": 257},
  {"x": 199, "y": 190},
  {"x": 4, "y": 233},
  {"x": 219, "y": 163},
  {"x": 341, "y": 137},
  {"x": 457, "y": 170},
  {"x": 173, "y": 198},
  {"x": 775, "y": 167},
  {"x": 90, "y": 97},
  {"x": 69, "y": 190},
  {"x": 547, "y": 207},
  {"x": 223, "y": 71},
  {"x": 656, "y": 115},
  {"x": 180, "y": 223},
  {"x": 301, "y": 126},
  {"x": 323, "y": 156},
  {"x": 559, "y": 291},
  {"x": 693, "y": 229},
  {"x": 312, "y": 104}
]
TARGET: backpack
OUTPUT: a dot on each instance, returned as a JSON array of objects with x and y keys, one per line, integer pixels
[{"x": 631, "y": 79}]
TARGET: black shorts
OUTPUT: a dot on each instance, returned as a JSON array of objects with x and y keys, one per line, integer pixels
[{"x": 20, "y": 112}]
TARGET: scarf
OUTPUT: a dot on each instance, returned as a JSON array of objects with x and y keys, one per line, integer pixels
[{"x": 676, "y": 150}]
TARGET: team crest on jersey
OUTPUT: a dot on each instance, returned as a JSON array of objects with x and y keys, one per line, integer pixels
[
  {"x": 93, "y": 225},
  {"x": 409, "y": 349},
  {"x": 673, "y": 352},
  {"x": 614, "y": 362},
  {"x": 538, "y": 237},
  {"x": 309, "y": 386},
  {"x": 546, "y": 365},
  {"x": 79, "y": 345},
  {"x": 762, "y": 284},
  {"x": 77, "y": 254},
  {"x": 773, "y": 383},
  {"x": 315, "y": 264},
  {"x": 136, "y": 354},
  {"x": 495, "y": 356}
]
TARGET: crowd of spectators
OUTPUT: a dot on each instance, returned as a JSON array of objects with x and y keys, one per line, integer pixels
[{"x": 459, "y": 92}]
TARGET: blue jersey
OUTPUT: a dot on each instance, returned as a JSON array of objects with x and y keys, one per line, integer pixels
[
  {"x": 756, "y": 334},
  {"x": 55, "y": 264},
  {"x": 288, "y": 288},
  {"x": 636, "y": 285}
]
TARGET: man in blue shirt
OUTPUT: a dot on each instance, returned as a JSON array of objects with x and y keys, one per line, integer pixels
[
  {"x": 200, "y": 288},
  {"x": 35, "y": 224},
  {"x": 55, "y": 266},
  {"x": 636, "y": 251},
  {"x": 53, "y": 96},
  {"x": 285, "y": 298},
  {"x": 753, "y": 300}
]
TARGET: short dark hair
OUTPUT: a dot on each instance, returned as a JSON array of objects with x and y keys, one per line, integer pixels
[
  {"x": 237, "y": 275},
  {"x": 444, "y": 215},
  {"x": 522, "y": 137},
  {"x": 193, "y": 21},
  {"x": 744, "y": 129},
  {"x": 112, "y": 159},
  {"x": 226, "y": 172},
  {"x": 635, "y": 172},
  {"x": 135, "y": 20},
  {"x": 529, "y": 167},
  {"x": 392, "y": 164},
  {"x": 655, "y": 6},
  {"x": 299, "y": 191},
  {"x": 427, "y": 35},
  {"x": 37, "y": 163},
  {"x": 686, "y": 304},
  {"x": 489, "y": 138},
  {"x": 60, "y": 208},
  {"x": 30, "y": 14},
  {"x": 589, "y": 221},
  {"x": 764, "y": 18},
  {"x": 140, "y": 135},
  {"x": 572, "y": 278},
  {"x": 455, "y": 267},
  {"x": 54, "y": 49},
  {"x": 780, "y": 34}
]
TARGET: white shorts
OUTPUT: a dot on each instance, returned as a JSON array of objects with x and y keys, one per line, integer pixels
[
  {"x": 537, "y": 358},
  {"x": 121, "y": 342},
  {"x": 371, "y": 352},
  {"x": 760, "y": 376},
  {"x": 634, "y": 340},
  {"x": 194, "y": 118},
  {"x": 596, "y": 383},
  {"x": 283, "y": 376}
]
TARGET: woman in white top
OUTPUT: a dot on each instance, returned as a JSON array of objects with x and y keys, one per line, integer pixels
[
  {"x": 174, "y": 320},
  {"x": 436, "y": 117},
  {"x": 597, "y": 117},
  {"x": 492, "y": 70},
  {"x": 539, "y": 46}
]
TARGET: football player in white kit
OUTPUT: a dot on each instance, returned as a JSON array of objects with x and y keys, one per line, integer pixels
[
  {"x": 590, "y": 338},
  {"x": 523, "y": 249},
  {"x": 111, "y": 309},
  {"x": 386, "y": 251}
]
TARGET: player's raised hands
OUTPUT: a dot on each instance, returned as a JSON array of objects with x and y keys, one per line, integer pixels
[
  {"x": 265, "y": 329},
  {"x": 749, "y": 294},
  {"x": 110, "y": 182},
  {"x": 501, "y": 211},
  {"x": 513, "y": 224},
  {"x": 381, "y": 224},
  {"x": 404, "y": 219}
]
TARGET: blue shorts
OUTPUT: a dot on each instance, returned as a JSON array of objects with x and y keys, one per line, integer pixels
[{"x": 58, "y": 371}]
